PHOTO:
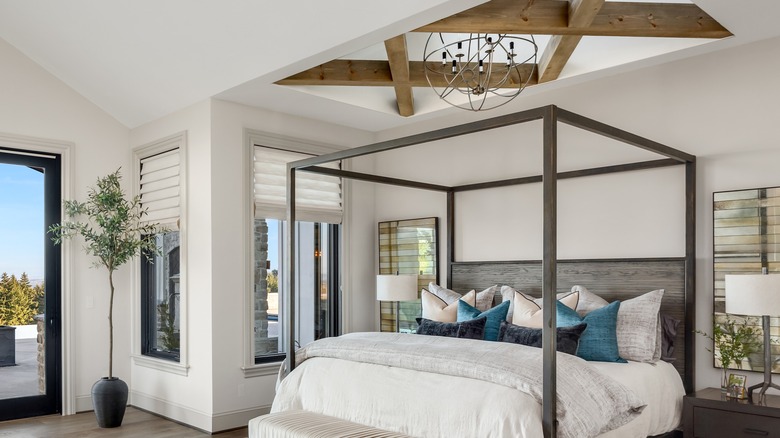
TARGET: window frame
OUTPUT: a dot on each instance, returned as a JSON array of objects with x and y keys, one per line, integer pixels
[
  {"x": 268, "y": 365},
  {"x": 156, "y": 360}
]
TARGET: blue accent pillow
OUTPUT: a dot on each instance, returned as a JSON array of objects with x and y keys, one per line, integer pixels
[
  {"x": 494, "y": 317},
  {"x": 599, "y": 341}
]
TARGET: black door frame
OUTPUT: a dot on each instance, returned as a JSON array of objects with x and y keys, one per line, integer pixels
[{"x": 50, "y": 164}]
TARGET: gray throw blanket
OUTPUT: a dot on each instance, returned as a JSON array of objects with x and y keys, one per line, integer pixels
[{"x": 589, "y": 403}]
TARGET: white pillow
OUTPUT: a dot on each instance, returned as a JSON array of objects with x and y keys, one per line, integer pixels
[
  {"x": 508, "y": 293},
  {"x": 484, "y": 298},
  {"x": 588, "y": 300},
  {"x": 529, "y": 314},
  {"x": 638, "y": 334},
  {"x": 436, "y": 309}
]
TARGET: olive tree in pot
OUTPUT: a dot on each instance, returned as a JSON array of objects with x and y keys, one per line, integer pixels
[{"x": 113, "y": 232}]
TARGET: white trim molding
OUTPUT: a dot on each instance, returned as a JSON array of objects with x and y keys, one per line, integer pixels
[
  {"x": 254, "y": 137},
  {"x": 175, "y": 141},
  {"x": 65, "y": 150}
]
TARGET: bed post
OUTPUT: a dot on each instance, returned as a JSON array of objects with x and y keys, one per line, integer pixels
[
  {"x": 690, "y": 274},
  {"x": 450, "y": 235},
  {"x": 549, "y": 271},
  {"x": 290, "y": 261}
]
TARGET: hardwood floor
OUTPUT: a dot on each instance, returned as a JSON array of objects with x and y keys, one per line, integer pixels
[{"x": 136, "y": 424}]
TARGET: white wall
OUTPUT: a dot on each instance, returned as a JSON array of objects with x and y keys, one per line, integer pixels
[
  {"x": 34, "y": 103},
  {"x": 185, "y": 398},
  {"x": 701, "y": 105},
  {"x": 236, "y": 397}
]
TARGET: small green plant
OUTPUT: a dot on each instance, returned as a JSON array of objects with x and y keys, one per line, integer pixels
[
  {"x": 732, "y": 341},
  {"x": 170, "y": 338},
  {"x": 113, "y": 233}
]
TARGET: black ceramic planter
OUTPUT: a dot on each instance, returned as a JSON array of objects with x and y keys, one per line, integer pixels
[{"x": 109, "y": 398}]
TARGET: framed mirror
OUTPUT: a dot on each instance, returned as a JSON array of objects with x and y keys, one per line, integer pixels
[
  {"x": 746, "y": 228},
  {"x": 409, "y": 246}
]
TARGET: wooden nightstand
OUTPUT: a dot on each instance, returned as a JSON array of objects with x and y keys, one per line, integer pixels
[{"x": 709, "y": 414}]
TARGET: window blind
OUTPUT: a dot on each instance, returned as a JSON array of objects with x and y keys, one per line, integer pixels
[
  {"x": 160, "y": 188},
  {"x": 318, "y": 197}
]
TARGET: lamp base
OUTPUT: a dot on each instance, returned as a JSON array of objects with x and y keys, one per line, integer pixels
[{"x": 767, "y": 383}]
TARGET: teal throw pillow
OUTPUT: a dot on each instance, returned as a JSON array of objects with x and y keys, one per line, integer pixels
[
  {"x": 599, "y": 341},
  {"x": 494, "y": 317}
]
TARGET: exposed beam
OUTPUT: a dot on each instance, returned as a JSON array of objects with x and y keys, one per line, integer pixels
[
  {"x": 398, "y": 58},
  {"x": 550, "y": 17},
  {"x": 560, "y": 47},
  {"x": 378, "y": 73}
]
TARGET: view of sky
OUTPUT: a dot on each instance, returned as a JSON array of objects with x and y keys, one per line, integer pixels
[{"x": 21, "y": 221}]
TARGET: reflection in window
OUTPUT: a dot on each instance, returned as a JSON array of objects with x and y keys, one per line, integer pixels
[{"x": 161, "y": 300}]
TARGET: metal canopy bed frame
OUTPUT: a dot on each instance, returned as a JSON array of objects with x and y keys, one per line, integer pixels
[{"x": 550, "y": 115}]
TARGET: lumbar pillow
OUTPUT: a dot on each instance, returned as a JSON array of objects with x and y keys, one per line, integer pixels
[
  {"x": 435, "y": 309},
  {"x": 484, "y": 298},
  {"x": 599, "y": 341},
  {"x": 567, "y": 338},
  {"x": 494, "y": 317},
  {"x": 471, "y": 329},
  {"x": 529, "y": 314}
]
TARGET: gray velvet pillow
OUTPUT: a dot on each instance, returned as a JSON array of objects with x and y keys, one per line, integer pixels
[
  {"x": 471, "y": 329},
  {"x": 567, "y": 338}
]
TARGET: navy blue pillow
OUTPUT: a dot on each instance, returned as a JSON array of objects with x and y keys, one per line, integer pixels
[
  {"x": 494, "y": 317},
  {"x": 599, "y": 341},
  {"x": 471, "y": 329},
  {"x": 567, "y": 338}
]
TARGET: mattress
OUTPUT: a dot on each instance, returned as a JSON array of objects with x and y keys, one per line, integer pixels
[{"x": 428, "y": 404}]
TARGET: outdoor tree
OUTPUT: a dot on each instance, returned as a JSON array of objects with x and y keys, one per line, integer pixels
[{"x": 20, "y": 301}]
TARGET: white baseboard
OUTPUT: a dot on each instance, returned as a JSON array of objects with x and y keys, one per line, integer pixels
[
  {"x": 240, "y": 418},
  {"x": 194, "y": 418},
  {"x": 84, "y": 403}
]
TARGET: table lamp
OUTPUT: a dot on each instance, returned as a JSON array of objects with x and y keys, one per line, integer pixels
[
  {"x": 756, "y": 295},
  {"x": 396, "y": 288}
]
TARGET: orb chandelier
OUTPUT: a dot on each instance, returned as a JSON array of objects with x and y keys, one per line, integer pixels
[{"x": 464, "y": 72}]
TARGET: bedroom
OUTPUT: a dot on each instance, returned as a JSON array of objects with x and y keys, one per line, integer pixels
[{"x": 703, "y": 104}]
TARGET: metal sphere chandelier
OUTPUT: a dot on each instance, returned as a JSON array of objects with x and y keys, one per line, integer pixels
[{"x": 465, "y": 72}]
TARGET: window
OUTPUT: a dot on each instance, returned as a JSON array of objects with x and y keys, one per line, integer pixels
[
  {"x": 317, "y": 267},
  {"x": 162, "y": 279},
  {"x": 161, "y": 299}
]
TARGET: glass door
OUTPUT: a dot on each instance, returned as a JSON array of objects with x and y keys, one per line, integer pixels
[{"x": 30, "y": 201}]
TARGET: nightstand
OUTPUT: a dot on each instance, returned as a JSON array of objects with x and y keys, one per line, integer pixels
[{"x": 709, "y": 414}]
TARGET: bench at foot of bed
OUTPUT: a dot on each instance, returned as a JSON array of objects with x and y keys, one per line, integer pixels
[{"x": 304, "y": 424}]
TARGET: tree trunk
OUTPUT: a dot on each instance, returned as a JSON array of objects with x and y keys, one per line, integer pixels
[{"x": 111, "y": 326}]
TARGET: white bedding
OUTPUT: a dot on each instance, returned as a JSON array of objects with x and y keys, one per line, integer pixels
[{"x": 426, "y": 404}]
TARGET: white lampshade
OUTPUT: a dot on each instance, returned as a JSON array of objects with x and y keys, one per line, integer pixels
[
  {"x": 753, "y": 294},
  {"x": 396, "y": 287}
]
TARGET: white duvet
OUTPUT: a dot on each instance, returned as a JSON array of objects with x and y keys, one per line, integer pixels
[{"x": 426, "y": 404}]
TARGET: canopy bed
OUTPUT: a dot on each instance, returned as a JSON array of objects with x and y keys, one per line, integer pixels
[{"x": 616, "y": 278}]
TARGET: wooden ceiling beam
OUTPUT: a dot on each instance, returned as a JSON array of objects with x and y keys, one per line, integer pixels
[
  {"x": 398, "y": 60},
  {"x": 378, "y": 74},
  {"x": 560, "y": 47},
  {"x": 551, "y": 17}
]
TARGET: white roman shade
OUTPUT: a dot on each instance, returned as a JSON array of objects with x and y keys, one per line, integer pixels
[
  {"x": 160, "y": 191},
  {"x": 318, "y": 197}
]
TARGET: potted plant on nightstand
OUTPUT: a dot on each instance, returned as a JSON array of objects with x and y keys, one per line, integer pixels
[
  {"x": 113, "y": 233},
  {"x": 734, "y": 342}
]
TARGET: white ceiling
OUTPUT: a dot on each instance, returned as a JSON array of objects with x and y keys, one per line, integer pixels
[{"x": 143, "y": 59}]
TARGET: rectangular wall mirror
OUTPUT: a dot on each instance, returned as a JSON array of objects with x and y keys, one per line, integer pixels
[
  {"x": 408, "y": 246},
  {"x": 746, "y": 228}
]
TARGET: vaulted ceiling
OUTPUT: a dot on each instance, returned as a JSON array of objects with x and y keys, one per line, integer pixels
[
  {"x": 564, "y": 22},
  {"x": 140, "y": 60}
]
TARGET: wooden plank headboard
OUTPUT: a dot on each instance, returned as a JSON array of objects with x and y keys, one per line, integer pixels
[{"x": 611, "y": 279}]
